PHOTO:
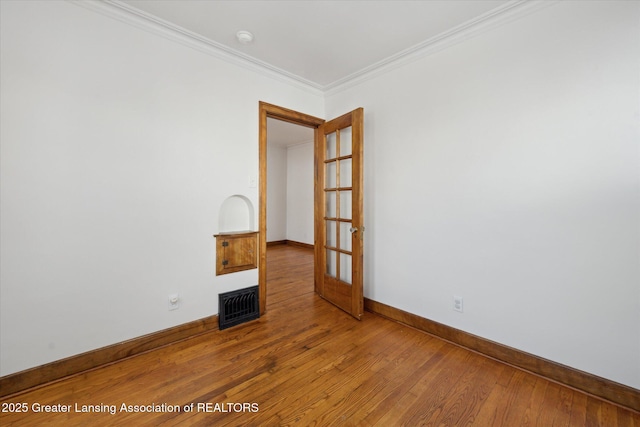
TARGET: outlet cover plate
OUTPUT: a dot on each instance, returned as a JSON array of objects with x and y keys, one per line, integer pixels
[
  {"x": 458, "y": 303},
  {"x": 174, "y": 302}
]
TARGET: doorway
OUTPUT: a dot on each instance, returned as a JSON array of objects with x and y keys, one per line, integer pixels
[
  {"x": 268, "y": 112},
  {"x": 338, "y": 205},
  {"x": 290, "y": 191}
]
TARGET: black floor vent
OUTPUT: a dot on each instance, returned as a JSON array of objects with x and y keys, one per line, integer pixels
[{"x": 237, "y": 307}]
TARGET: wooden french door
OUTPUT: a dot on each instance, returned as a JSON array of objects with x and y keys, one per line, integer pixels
[
  {"x": 339, "y": 226},
  {"x": 339, "y": 223}
]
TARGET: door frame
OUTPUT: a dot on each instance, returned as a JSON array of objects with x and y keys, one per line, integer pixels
[{"x": 267, "y": 110}]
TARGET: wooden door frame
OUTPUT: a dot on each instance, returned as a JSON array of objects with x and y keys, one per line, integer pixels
[{"x": 275, "y": 112}]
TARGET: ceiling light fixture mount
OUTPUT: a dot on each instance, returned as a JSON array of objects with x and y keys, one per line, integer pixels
[{"x": 244, "y": 37}]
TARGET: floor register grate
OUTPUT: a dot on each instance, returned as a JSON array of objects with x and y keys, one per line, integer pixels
[{"x": 238, "y": 307}]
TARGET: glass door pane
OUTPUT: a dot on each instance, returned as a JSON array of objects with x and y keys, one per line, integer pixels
[
  {"x": 331, "y": 146},
  {"x": 345, "y": 236},
  {"x": 332, "y": 234},
  {"x": 345, "y": 142},
  {"x": 345, "y": 268},
  {"x": 345, "y": 204},
  {"x": 345, "y": 172},
  {"x": 331, "y": 175},
  {"x": 331, "y": 208},
  {"x": 332, "y": 263}
]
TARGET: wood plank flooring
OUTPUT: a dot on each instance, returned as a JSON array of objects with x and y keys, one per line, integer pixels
[{"x": 307, "y": 363}]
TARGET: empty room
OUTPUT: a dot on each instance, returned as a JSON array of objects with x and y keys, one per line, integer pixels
[{"x": 320, "y": 212}]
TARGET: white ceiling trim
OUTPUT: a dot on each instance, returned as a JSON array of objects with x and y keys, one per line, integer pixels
[
  {"x": 145, "y": 21},
  {"x": 507, "y": 12},
  {"x": 297, "y": 144}
]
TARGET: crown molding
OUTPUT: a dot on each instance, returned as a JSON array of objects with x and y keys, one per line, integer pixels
[
  {"x": 124, "y": 13},
  {"x": 496, "y": 17},
  {"x": 297, "y": 144},
  {"x": 290, "y": 145},
  {"x": 507, "y": 12}
]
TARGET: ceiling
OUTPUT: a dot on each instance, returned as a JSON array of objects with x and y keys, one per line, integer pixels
[
  {"x": 283, "y": 134},
  {"x": 319, "y": 42}
]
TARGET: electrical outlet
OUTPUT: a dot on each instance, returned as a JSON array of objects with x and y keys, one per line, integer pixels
[
  {"x": 457, "y": 303},
  {"x": 174, "y": 302}
]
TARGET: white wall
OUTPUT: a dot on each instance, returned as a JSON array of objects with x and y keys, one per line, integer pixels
[
  {"x": 300, "y": 193},
  {"x": 505, "y": 169},
  {"x": 118, "y": 148},
  {"x": 276, "y": 193},
  {"x": 290, "y": 193}
]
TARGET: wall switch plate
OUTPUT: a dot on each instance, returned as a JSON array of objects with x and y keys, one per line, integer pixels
[
  {"x": 457, "y": 303},
  {"x": 174, "y": 302}
]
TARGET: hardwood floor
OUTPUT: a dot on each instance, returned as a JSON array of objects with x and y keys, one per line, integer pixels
[{"x": 307, "y": 363}]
